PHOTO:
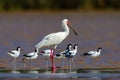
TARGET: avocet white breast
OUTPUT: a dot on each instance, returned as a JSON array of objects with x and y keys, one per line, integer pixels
[{"x": 46, "y": 53}]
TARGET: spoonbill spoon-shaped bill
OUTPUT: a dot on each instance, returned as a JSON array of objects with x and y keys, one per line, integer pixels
[{"x": 70, "y": 26}]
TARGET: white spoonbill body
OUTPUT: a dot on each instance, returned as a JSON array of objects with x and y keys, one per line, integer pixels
[{"x": 54, "y": 39}]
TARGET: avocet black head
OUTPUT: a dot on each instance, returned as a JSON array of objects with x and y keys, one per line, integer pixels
[
  {"x": 18, "y": 48},
  {"x": 100, "y": 48},
  {"x": 36, "y": 50},
  {"x": 69, "y": 47},
  {"x": 76, "y": 46}
]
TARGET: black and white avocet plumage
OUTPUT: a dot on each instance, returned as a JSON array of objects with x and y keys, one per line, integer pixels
[
  {"x": 63, "y": 53},
  {"x": 73, "y": 52},
  {"x": 31, "y": 55},
  {"x": 14, "y": 54},
  {"x": 46, "y": 53},
  {"x": 93, "y": 53}
]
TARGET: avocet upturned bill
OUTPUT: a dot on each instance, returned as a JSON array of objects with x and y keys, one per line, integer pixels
[
  {"x": 14, "y": 54},
  {"x": 31, "y": 55},
  {"x": 93, "y": 54},
  {"x": 54, "y": 39}
]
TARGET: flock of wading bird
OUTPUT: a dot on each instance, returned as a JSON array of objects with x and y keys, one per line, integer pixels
[{"x": 52, "y": 41}]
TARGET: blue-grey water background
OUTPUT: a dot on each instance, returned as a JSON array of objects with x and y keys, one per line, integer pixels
[{"x": 96, "y": 29}]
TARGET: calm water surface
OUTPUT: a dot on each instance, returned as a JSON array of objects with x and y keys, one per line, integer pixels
[
  {"x": 63, "y": 73},
  {"x": 95, "y": 30}
]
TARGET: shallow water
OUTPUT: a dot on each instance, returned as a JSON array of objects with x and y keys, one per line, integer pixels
[
  {"x": 96, "y": 74},
  {"x": 96, "y": 29}
]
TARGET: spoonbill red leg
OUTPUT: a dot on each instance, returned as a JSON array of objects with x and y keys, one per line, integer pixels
[{"x": 52, "y": 59}]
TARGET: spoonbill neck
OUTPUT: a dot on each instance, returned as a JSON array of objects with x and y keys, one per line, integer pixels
[{"x": 65, "y": 27}]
